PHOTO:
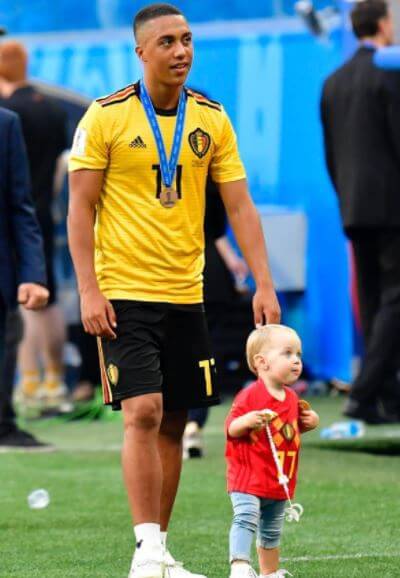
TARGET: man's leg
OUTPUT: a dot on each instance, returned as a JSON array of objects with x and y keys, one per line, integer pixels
[
  {"x": 28, "y": 355},
  {"x": 52, "y": 340},
  {"x": 170, "y": 448},
  {"x": 13, "y": 336},
  {"x": 141, "y": 462},
  {"x": 367, "y": 272},
  {"x": 3, "y": 395},
  {"x": 383, "y": 344}
]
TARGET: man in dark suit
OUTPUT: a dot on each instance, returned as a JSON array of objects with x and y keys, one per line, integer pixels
[
  {"x": 43, "y": 123},
  {"x": 360, "y": 111},
  {"x": 22, "y": 265}
]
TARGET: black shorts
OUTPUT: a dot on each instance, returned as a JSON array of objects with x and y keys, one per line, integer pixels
[{"x": 160, "y": 348}]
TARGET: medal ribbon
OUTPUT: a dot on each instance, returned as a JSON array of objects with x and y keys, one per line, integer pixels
[{"x": 167, "y": 168}]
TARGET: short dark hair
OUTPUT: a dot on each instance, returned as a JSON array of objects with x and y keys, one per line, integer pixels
[
  {"x": 153, "y": 11},
  {"x": 366, "y": 15}
]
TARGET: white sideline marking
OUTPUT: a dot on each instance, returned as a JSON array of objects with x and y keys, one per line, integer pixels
[{"x": 338, "y": 557}]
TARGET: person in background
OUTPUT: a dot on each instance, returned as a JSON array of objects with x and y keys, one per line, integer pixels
[
  {"x": 360, "y": 112},
  {"x": 224, "y": 273},
  {"x": 22, "y": 268},
  {"x": 44, "y": 130}
]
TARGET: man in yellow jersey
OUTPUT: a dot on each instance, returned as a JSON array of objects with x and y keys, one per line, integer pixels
[{"x": 138, "y": 168}]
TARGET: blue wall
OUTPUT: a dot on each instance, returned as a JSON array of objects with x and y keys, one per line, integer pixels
[
  {"x": 25, "y": 16},
  {"x": 270, "y": 85}
]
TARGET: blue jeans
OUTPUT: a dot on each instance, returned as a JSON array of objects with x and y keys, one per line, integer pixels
[{"x": 251, "y": 515}]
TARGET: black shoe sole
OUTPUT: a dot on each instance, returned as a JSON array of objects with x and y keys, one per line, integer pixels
[{"x": 195, "y": 453}]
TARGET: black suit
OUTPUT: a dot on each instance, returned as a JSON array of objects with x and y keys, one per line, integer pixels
[
  {"x": 21, "y": 247},
  {"x": 360, "y": 112}
]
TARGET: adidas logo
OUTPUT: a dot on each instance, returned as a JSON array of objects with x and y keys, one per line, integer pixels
[{"x": 137, "y": 143}]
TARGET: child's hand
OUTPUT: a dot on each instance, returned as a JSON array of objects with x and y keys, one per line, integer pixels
[
  {"x": 255, "y": 419},
  {"x": 309, "y": 420}
]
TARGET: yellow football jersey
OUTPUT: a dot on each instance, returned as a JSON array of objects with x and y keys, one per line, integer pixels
[{"x": 144, "y": 251}]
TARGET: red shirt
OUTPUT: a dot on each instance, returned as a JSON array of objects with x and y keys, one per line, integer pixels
[{"x": 251, "y": 467}]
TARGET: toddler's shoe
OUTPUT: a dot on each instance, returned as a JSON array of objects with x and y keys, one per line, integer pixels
[{"x": 242, "y": 571}]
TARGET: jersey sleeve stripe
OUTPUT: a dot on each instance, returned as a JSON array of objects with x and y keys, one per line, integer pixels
[
  {"x": 117, "y": 100},
  {"x": 119, "y": 95},
  {"x": 201, "y": 99}
]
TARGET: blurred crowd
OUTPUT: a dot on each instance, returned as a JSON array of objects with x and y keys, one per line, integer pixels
[{"x": 34, "y": 336}]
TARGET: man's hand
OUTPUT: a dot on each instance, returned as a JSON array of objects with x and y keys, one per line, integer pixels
[
  {"x": 98, "y": 315},
  {"x": 32, "y": 295},
  {"x": 266, "y": 307}
]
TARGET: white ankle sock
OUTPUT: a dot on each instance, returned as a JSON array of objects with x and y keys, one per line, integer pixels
[
  {"x": 164, "y": 539},
  {"x": 148, "y": 538}
]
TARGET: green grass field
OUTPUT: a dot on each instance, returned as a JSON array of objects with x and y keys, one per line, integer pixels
[{"x": 350, "y": 528}]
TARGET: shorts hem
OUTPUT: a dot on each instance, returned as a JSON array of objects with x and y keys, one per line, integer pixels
[
  {"x": 135, "y": 393},
  {"x": 193, "y": 404}
]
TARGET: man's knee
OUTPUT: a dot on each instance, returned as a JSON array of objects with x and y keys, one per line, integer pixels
[
  {"x": 173, "y": 424},
  {"x": 143, "y": 412}
]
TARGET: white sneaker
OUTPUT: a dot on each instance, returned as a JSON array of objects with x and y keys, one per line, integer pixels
[
  {"x": 146, "y": 569},
  {"x": 242, "y": 571},
  {"x": 53, "y": 397},
  {"x": 174, "y": 569},
  {"x": 193, "y": 446}
]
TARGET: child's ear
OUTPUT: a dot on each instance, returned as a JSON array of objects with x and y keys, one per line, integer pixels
[{"x": 260, "y": 361}]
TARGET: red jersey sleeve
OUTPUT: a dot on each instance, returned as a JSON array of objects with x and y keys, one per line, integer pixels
[{"x": 240, "y": 406}]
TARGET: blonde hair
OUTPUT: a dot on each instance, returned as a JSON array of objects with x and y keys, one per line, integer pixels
[
  {"x": 13, "y": 61},
  {"x": 261, "y": 338}
]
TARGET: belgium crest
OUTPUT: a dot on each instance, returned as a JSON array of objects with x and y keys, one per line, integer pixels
[
  {"x": 113, "y": 374},
  {"x": 199, "y": 142}
]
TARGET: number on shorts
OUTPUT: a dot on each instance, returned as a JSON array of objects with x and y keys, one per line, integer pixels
[{"x": 206, "y": 364}]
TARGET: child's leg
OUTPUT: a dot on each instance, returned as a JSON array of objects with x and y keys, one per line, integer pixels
[
  {"x": 246, "y": 515},
  {"x": 269, "y": 534}
]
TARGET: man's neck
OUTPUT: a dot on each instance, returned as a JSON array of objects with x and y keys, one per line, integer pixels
[
  {"x": 377, "y": 41},
  {"x": 8, "y": 88},
  {"x": 162, "y": 96}
]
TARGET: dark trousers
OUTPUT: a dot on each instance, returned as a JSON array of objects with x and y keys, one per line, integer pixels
[
  {"x": 10, "y": 336},
  {"x": 377, "y": 263}
]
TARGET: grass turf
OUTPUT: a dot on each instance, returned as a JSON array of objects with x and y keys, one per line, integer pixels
[{"x": 351, "y": 501}]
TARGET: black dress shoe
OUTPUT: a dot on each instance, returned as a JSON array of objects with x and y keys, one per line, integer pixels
[
  {"x": 389, "y": 407},
  {"x": 17, "y": 439},
  {"x": 364, "y": 412}
]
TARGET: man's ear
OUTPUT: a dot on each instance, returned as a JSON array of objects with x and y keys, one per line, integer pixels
[{"x": 139, "y": 53}]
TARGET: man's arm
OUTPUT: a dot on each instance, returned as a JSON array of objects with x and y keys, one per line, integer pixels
[
  {"x": 246, "y": 225},
  {"x": 392, "y": 93},
  {"x": 31, "y": 273},
  {"x": 328, "y": 146},
  {"x": 98, "y": 316}
]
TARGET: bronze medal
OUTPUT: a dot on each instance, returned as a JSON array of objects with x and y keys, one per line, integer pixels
[{"x": 168, "y": 198}]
